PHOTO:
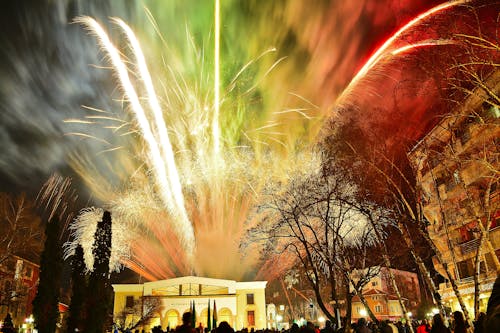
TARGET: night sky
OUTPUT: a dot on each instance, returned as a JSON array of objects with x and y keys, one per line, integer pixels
[{"x": 48, "y": 65}]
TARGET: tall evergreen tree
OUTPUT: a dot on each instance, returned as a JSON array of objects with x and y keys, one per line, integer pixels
[
  {"x": 99, "y": 294},
  {"x": 8, "y": 326},
  {"x": 45, "y": 304},
  {"x": 78, "y": 288}
]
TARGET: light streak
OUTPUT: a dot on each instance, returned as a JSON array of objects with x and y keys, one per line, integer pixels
[
  {"x": 166, "y": 147},
  {"x": 184, "y": 204},
  {"x": 380, "y": 53},
  {"x": 408, "y": 48},
  {"x": 154, "y": 151},
  {"x": 215, "y": 119}
]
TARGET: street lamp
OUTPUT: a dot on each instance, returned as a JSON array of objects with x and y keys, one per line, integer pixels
[
  {"x": 279, "y": 318},
  {"x": 321, "y": 319},
  {"x": 29, "y": 322},
  {"x": 363, "y": 312}
]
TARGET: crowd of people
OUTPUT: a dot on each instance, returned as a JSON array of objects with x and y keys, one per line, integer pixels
[{"x": 488, "y": 322}]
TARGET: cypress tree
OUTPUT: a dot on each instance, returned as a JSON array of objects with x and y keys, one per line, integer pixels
[
  {"x": 45, "y": 304},
  {"x": 78, "y": 287},
  {"x": 8, "y": 326},
  {"x": 99, "y": 294}
]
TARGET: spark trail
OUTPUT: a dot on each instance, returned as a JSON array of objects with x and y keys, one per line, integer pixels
[
  {"x": 169, "y": 187},
  {"x": 207, "y": 187},
  {"x": 389, "y": 47}
]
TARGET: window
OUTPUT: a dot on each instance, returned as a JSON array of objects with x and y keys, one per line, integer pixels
[
  {"x": 374, "y": 283},
  {"x": 251, "y": 318},
  {"x": 465, "y": 269},
  {"x": 129, "y": 302},
  {"x": 378, "y": 308},
  {"x": 28, "y": 272},
  {"x": 250, "y": 299}
]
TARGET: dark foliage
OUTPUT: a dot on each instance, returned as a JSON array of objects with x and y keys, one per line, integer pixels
[
  {"x": 8, "y": 326},
  {"x": 99, "y": 294},
  {"x": 45, "y": 304},
  {"x": 78, "y": 288}
]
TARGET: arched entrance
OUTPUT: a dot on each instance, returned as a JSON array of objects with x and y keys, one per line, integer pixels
[
  {"x": 225, "y": 314},
  {"x": 172, "y": 318}
]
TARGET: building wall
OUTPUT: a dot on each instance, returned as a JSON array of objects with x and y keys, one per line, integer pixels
[
  {"x": 20, "y": 277},
  {"x": 177, "y": 295},
  {"x": 259, "y": 308},
  {"x": 453, "y": 166},
  {"x": 381, "y": 298}
]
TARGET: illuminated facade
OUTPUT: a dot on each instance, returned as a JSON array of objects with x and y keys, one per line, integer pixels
[
  {"x": 241, "y": 304},
  {"x": 18, "y": 286},
  {"x": 381, "y": 297},
  {"x": 457, "y": 166}
]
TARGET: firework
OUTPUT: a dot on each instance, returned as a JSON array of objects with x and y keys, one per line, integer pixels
[
  {"x": 390, "y": 47},
  {"x": 184, "y": 199}
]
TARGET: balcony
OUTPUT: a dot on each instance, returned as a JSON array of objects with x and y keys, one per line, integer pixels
[{"x": 470, "y": 246}]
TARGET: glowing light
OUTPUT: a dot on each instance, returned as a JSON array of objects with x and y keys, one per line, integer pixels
[
  {"x": 182, "y": 203},
  {"x": 215, "y": 119},
  {"x": 381, "y": 52},
  {"x": 363, "y": 312},
  {"x": 155, "y": 155}
]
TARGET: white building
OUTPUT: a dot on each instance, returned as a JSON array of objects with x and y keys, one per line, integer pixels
[{"x": 241, "y": 304}]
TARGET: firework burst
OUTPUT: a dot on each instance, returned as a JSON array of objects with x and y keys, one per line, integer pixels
[{"x": 189, "y": 174}]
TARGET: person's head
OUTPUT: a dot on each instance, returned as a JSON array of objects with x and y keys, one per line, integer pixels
[
  {"x": 458, "y": 317},
  {"x": 224, "y": 327},
  {"x": 328, "y": 323},
  {"x": 494, "y": 300},
  {"x": 361, "y": 322},
  {"x": 186, "y": 318},
  {"x": 437, "y": 320}
]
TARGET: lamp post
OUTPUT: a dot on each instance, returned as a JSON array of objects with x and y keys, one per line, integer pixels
[
  {"x": 29, "y": 323},
  {"x": 279, "y": 318}
]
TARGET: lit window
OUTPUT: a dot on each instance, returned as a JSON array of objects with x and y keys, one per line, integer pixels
[
  {"x": 378, "y": 308},
  {"x": 251, "y": 318}
]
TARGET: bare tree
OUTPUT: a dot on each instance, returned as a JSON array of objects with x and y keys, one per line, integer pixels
[
  {"x": 22, "y": 230},
  {"x": 313, "y": 221},
  {"x": 138, "y": 314}
]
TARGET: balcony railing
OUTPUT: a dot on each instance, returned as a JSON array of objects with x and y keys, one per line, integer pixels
[{"x": 469, "y": 246}]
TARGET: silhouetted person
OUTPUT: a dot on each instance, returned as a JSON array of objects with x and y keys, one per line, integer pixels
[
  {"x": 362, "y": 326},
  {"x": 186, "y": 324},
  {"x": 328, "y": 327},
  {"x": 459, "y": 325},
  {"x": 479, "y": 323},
  {"x": 492, "y": 322},
  {"x": 224, "y": 327},
  {"x": 424, "y": 327},
  {"x": 438, "y": 325}
]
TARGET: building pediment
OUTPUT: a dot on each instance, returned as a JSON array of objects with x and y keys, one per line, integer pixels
[{"x": 190, "y": 286}]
